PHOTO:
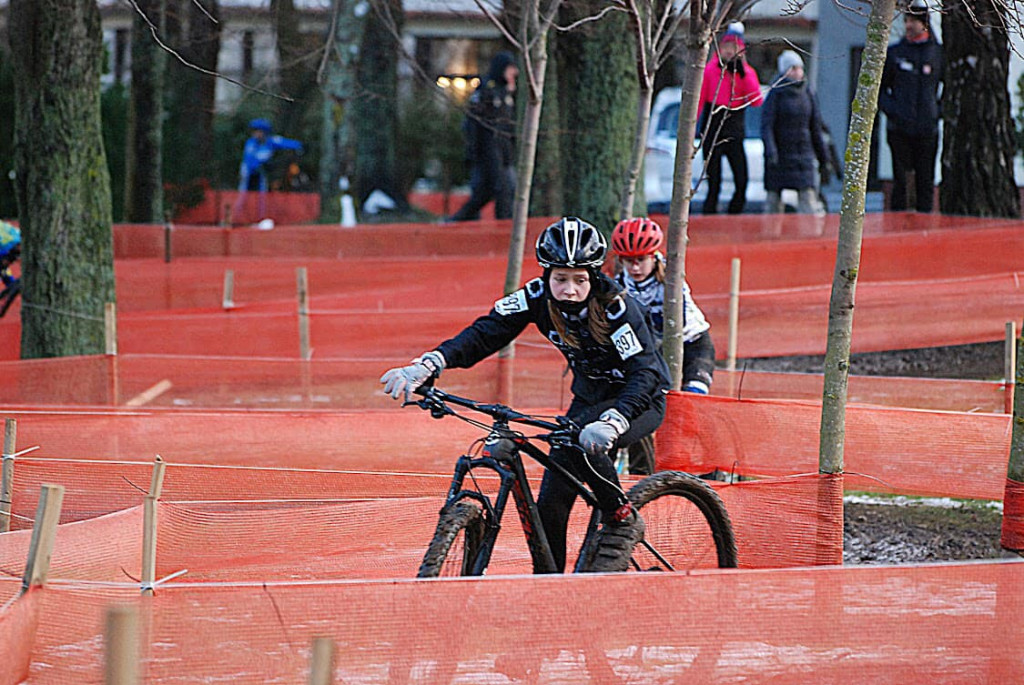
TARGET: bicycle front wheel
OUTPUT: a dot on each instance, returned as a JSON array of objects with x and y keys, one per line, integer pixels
[
  {"x": 456, "y": 543},
  {"x": 687, "y": 524}
]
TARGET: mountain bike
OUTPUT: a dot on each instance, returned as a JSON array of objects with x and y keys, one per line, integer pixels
[{"x": 687, "y": 525}]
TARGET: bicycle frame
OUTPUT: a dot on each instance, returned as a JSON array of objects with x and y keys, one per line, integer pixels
[{"x": 502, "y": 454}]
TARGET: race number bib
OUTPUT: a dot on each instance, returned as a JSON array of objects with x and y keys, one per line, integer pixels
[
  {"x": 626, "y": 342},
  {"x": 513, "y": 303}
]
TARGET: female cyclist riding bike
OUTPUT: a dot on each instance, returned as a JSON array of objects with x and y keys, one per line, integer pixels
[{"x": 619, "y": 377}]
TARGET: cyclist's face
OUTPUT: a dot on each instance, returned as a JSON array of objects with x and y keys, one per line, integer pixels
[
  {"x": 638, "y": 268},
  {"x": 570, "y": 285}
]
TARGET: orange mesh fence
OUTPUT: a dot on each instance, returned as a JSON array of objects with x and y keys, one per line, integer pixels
[
  {"x": 941, "y": 623},
  {"x": 18, "y": 624},
  {"x": 420, "y": 283},
  {"x": 771, "y": 323},
  {"x": 1013, "y": 516},
  {"x": 534, "y": 378},
  {"x": 888, "y": 449},
  {"x": 243, "y": 523}
]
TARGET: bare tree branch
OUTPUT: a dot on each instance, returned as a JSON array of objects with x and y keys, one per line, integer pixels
[
  {"x": 586, "y": 20},
  {"x": 156, "y": 36}
]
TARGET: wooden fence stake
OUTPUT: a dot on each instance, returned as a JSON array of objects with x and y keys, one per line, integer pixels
[
  {"x": 149, "y": 526},
  {"x": 1009, "y": 365},
  {"x": 734, "y": 312},
  {"x": 1011, "y": 538},
  {"x": 7, "y": 477},
  {"x": 321, "y": 667},
  {"x": 168, "y": 228},
  {"x": 302, "y": 284},
  {"x": 229, "y": 289},
  {"x": 121, "y": 648},
  {"x": 110, "y": 338},
  {"x": 40, "y": 548},
  {"x": 110, "y": 327}
]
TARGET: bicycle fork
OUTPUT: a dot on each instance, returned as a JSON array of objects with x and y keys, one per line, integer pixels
[{"x": 501, "y": 455}]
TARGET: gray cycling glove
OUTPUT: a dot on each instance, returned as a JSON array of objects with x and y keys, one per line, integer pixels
[
  {"x": 598, "y": 437},
  {"x": 403, "y": 380}
]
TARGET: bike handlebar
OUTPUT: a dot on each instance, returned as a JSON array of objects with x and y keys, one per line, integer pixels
[{"x": 436, "y": 401}]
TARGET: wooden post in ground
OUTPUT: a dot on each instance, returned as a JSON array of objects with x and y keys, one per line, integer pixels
[
  {"x": 168, "y": 228},
  {"x": 7, "y": 476},
  {"x": 734, "y": 323},
  {"x": 110, "y": 340},
  {"x": 1013, "y": 498},
  {"x": 121, "y": 646},
  {"x": 1009, "y": 364},
  {"x": 149, "y": 526},
  {"x": 44, "y": 530},
  {"x": 734, "y": 312},
  {"x": 302, "y": 285},
  {"x": 321, "y": 666},
  {"x": 229, "y": 289}
]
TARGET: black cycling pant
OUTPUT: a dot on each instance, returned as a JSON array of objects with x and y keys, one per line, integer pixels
[
  {"x": 489, "y": 180},
  {"x": 556, "y": 497},
  {"x": 917, "y": 154},
  {"x": 732, "y": 149},
  {"x": 699, "y": 359}
]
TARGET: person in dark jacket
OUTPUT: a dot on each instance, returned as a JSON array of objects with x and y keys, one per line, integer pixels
[
  {"x": 490, "y": 132},
  {"x": 619, "y": 377},
  {"x": 792, "y": 135},
  {"x": 909, "y": 96}
]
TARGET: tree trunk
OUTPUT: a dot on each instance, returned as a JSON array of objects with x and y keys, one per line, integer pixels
[
  {"x": 698, "y": 40},
  {"x": 63, "y": 186},
  {"x": 597, "y": 75},
  {"x": 375, "y": 109},
  {"x": 299, "y": 61},
  {"x": 144, "y": 191},
  {"x": 549, "y": 198},
  {"x": 535, "y": 36},
  {"x": 340, "y": 87},
  {"x": 851, "y": 226},
  {"x": 978, "y": 142},
  {"x": 636, "y": 161},
  {"x": 188, "y": 136}
]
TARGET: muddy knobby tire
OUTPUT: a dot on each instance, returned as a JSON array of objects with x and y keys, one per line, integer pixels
[
  {"x": 702, "y": 496},
  {"x": 460, "y": 531}
]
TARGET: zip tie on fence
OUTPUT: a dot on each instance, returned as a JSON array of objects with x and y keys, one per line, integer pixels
[
  {"x": 24, "y": 451},
  {"x": 64, "y": 312},
  {"x": 152, "y": 586}
]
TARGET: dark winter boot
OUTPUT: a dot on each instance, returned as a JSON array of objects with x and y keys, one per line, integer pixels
[{"x": 619, "y": 534}]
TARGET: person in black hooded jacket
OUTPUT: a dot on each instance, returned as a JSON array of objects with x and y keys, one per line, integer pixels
[
  {"x": 619, "y": 378},
  {"x": 489, "y": 128},
  {"x": 909, "y": 96}
]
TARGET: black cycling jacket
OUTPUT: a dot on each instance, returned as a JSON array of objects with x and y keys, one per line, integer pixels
[{"x": 630, "y": 370}]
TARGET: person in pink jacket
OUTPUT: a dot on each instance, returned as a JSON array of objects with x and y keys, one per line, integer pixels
[{"x": 730, "y": 86}]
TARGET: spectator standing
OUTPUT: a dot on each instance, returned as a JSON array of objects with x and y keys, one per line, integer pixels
[
  {"x": 730, "y": 86},
  {"x": 791, "y": 129},
  {"x": 10, "y": 251},
  {"x": 909, "y": 96},
  {"x": 258, "y": 151},
  {"x": 490, "y": 136}
]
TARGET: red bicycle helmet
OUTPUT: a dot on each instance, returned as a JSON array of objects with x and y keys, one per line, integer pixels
[{"x": 637, "y": 237}]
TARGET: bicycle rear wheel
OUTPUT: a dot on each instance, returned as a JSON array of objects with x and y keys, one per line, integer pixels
[
  {"x": 456, "y": 543},
  {"x": 687, "y": 524}
]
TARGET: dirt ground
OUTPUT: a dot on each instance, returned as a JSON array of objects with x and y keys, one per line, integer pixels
[{"x": 898, "y": 530}]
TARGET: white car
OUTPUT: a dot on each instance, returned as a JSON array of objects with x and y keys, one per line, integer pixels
[{"x": 659, "y": 160}]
